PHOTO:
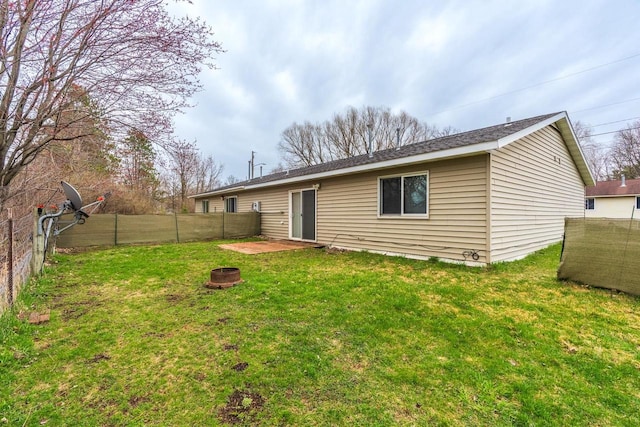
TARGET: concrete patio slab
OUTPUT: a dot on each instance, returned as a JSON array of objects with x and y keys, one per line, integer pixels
[{"x": 266, "y": 246}]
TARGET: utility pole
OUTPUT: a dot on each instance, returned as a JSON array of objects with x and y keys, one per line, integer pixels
[{"x": 253, "y": 156}]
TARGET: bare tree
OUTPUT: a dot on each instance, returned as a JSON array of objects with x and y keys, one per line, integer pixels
[
  {"x": 190, "y": 171},
  {"x": 347, "y": 134},
  {"x": 231, "y": 179},
  {"x": 207, "y": 174},
  {"x": 87, "y": 161},
  {"x": 625, "y": 152},
  {"x": 597, "y": 155},
  {"x": 138, "y": 64}
]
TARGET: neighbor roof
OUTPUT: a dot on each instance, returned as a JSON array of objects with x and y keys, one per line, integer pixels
[
  {"x": 614, "y": 188},
  {"x": 460, "y": 144}
]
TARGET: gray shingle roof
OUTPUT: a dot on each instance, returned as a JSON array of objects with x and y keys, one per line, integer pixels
[{"x": 478, "y": 136}]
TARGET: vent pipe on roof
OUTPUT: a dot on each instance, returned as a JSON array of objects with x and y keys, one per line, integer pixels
[
  {"x": 370, "y": 125},
  {"x": 624, "y": 181},
  {"x": 508, "y": 121}
]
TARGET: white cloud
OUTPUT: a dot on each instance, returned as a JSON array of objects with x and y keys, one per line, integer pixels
[{"x": 301, "y": 60}]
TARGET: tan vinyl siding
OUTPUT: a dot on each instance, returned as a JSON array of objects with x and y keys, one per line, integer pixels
[
  {"x": 274, "y": 210},
  {"x": 534, "y": 186},
  {"x": 348, "y": 212},
  {"x": 215, "y": 204}
]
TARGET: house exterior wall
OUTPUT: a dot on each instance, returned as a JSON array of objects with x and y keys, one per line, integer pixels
[
  {"x": 613, "y": 207},
  {"x": 534, "y": 186},
  {"x": 347, "y": 211},
  {"x": 215, "y": 204}
]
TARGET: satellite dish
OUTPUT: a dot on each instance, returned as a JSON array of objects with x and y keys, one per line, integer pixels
[{"x": 73, "y": 197}]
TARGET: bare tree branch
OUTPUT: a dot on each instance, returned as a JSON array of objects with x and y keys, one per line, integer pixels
[
  {"x": 347, "y": 134},
  {"x": 135, "y": 61}
]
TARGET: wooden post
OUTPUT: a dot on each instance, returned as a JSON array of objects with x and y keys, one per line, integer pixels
[
  {"x": 177, "y": 230},
  {"x": 10, "y": 256},
  {"x": 223, "y": 217},
  {"x": 37, "y": 260}
]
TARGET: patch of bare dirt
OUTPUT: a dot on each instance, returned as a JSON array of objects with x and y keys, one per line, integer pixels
[
  {"x": 174, "y": 298},
  {"x": 99, "y": 357},
  {"x": 242, "y": 407},
  {"x": 137, "y": 400},
  {"x": 239, "y": 367}
]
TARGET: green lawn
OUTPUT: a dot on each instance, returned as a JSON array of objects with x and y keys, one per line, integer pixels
[{"x": 316, "y": 338}]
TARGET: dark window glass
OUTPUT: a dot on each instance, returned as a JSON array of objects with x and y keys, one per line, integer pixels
[
  {"x": 590, "y": 204},
  {"x": 231, "y": 204},
  {"x": 391, "y": 196}
]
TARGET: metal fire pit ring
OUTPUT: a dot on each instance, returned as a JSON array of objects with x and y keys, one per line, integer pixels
[{"x": 224, "y": 277}]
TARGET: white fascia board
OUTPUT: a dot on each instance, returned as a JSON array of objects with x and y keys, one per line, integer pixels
[
  {"x": 533, "y": 128},
  {"x": 612, "y": 196},
  {"x": 216, "y": 192},
  {"x": 578, "y": 155},
  {"x": 468, "y": 150}
]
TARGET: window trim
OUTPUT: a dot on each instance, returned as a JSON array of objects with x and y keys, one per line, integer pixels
[
  {"x": 205, "y": 204},
  {"x": 235, "y": 204},
  {"x": 402, "y": 214},
  {"x": 586, "y": 204}
]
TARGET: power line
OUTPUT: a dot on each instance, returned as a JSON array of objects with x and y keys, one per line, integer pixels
[
  {"x": 606, "y": 105},
  {"x": 614, "y": 131},
  {"x": 566, "y": 76},
  {"x": 617, "y": 121}
]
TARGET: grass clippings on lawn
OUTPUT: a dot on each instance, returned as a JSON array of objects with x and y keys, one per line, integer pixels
[{"x": 316, "y": 338}]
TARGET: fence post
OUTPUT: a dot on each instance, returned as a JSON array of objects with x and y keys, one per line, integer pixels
[
  {"x": 37, "y": 260},
  {"x": 10, "y": 258},
  {"x": 177, "y": 231}
]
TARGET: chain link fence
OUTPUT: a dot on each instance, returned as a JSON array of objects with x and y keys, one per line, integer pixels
[
  {"x": 602, "y": 252},
  {"x": 15, "y": 256}
]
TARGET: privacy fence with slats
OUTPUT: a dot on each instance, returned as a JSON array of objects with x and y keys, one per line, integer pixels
[
  {"x": 602, "y": 252},
  {"x": 114, "y": 229}
]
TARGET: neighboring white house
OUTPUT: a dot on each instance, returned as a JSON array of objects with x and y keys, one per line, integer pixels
[{"x": 613, "y": 199}]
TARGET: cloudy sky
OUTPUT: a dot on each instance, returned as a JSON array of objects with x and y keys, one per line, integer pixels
[{"x": 465, "y": 64}]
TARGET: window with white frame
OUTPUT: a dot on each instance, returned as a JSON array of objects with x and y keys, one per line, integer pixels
[
  {"x": 590, "y": 204},
  {"x": 231, "y": 204},
  {"x": 637, "y": 202},
  {"x": 404, "y": 195},
  {"x": 205, "y": 206}
]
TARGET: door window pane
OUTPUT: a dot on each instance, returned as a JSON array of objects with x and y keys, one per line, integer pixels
[{"x": 231, "y": 204}]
